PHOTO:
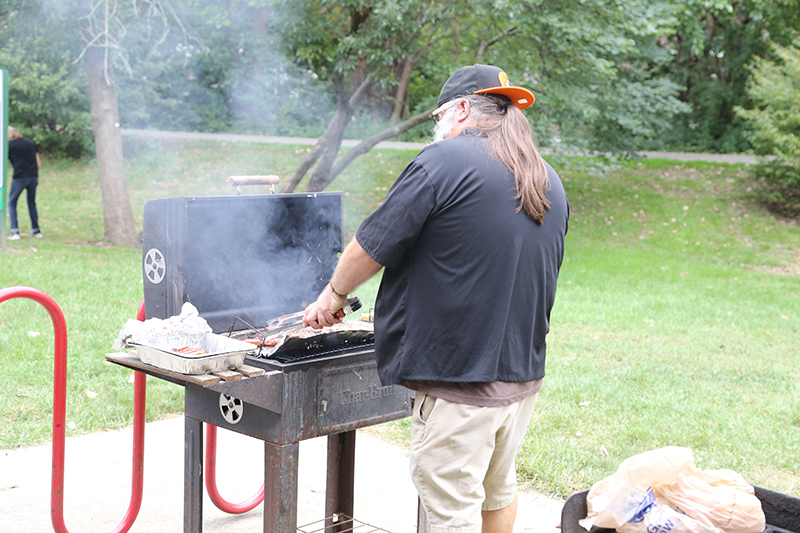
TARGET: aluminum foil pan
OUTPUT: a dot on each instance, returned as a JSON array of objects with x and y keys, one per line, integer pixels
[{"x": 223, "y": 353}]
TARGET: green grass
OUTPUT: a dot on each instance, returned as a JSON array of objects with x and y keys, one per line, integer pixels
[
  {"x": 676, "y": 319},
  {"x": 676, "y": 323}
]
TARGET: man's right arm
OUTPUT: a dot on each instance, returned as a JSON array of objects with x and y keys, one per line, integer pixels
[{"x": 353, "y": 269}]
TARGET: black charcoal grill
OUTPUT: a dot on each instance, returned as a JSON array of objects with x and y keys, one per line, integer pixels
[{"x": 252, "y": 258}]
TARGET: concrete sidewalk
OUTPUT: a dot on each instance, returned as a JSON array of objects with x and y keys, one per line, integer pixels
[{"x": 98, "y": 478}]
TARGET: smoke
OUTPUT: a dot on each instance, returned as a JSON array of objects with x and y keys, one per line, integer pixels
[
  {"x": 276, "y": 98},
  {"x": 252, "y": 257},
  {"x": 208, "y": 66}
]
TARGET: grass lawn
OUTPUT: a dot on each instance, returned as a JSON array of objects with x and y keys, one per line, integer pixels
[{"x": 676, "y": 319}]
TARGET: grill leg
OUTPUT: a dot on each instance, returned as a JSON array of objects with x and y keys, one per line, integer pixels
[
  {"x": 340, "y": 485},
  {"x": 280, "y": 487},
  {"x": 193, "y": 476}
]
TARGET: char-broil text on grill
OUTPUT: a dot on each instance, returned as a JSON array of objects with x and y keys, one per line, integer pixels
[{"x": 373, "y": 393}]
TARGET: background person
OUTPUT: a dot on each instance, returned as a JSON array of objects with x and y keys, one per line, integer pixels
[
  {"x": 471, "y": 236},
  {"x": 26, "y": 163}
]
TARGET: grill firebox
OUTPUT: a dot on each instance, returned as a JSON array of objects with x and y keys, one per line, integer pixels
[{"x": 252, "y": 257}]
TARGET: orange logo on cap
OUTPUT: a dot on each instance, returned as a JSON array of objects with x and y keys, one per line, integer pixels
[{"x": 503, "y": 77}]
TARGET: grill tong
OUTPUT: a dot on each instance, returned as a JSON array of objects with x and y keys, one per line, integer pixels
[{"x": 294, "y": 321}]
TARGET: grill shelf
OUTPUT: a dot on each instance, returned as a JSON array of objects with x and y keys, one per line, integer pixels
[{"x": 339, "y": 523}]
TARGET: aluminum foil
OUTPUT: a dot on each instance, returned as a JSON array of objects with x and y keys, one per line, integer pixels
[
  {"x": 189, "y": 322},
  {"x": 224, "y": 353}
]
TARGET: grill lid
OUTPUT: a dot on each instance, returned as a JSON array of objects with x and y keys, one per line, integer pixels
[{"x": 253, "y": 257}]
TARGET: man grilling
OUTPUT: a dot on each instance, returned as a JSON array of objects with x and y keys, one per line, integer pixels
[{"x": 471, "y": 236}]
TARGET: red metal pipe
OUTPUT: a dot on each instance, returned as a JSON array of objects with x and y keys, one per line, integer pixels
[
  {"x": 211, "y": 479},
  {"x": 137, "y": 460},
  {"x": 60, "y": 414}
]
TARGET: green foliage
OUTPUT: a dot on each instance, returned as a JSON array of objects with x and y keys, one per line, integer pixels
[
  {"x": 608, "y": 75},
  {"x": 164, "y": 89},
  {"x": 47, "y": 100},
  {"x": 775, "y": 121},
  {"x": 778, "y": 185},
  {"x": 335, "y": 39},
  {"x": 592, "y": 65},
  {"x": 711, "y": 43}
]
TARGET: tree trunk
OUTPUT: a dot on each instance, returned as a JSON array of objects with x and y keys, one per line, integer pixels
[
  {"x": 324, "y": 144},
  {"x": 367, "y": 144},
  {"x": 117, "y": 213},
  {"x": 330, "y": 148},
  {"x": 307, "y": 162},
  {"x": 401, "y": 94},
  {"x": 328, "y": 144}
]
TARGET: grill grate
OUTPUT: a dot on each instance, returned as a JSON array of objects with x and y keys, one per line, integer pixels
[
  {"x": 298, "y": 349},
  {"x": 296, "y": 356},
  {"x": 339, "y": 523}
]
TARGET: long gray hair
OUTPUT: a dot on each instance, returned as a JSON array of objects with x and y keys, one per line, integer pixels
[{"x": 511, "y": 141}]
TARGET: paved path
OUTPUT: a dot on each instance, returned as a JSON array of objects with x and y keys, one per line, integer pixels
[
  {"x": 98, "y": 476},
  {"x": 230, "y": 137}
]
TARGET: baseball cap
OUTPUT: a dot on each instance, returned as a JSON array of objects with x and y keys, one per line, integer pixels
[{"x": 483, "y": 79}]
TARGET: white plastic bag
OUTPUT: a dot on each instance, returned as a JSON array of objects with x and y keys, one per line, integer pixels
[
  {"x": 633, "y": 511},
  {"x": 661, "y": 491},
  {"x": 661, "y": 518},
  {"x": 722, "y": 496},
  {"x": 636, "y": 476}
]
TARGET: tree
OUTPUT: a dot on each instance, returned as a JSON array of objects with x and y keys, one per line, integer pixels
[
  {"x": 712, "y": 43},
  {"x": 372, "y": 69},
  {"x": 775, "y": 122},
  {"x": 117, "y": 212},
  {"x": 593, "y": 64},
  {"x": 358, "y": 48},
  {"x": 102, "y": 30},
  {"x": 47, "y": 98}
]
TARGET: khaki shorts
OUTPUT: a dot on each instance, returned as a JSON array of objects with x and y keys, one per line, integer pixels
[{"x": 462, "y": 459}]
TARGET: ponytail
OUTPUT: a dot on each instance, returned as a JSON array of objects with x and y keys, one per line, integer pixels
[{"x": 511, "y": 141}]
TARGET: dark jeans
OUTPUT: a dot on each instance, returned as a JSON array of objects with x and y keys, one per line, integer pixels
[{"x": 17, "y": 186}]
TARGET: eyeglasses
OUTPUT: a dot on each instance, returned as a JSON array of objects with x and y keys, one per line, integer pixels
[{"x": 438, "y": 113}]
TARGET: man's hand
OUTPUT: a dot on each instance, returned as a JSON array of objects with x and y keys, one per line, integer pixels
[
  {"x": 320, "y": 313},
  {"x": 354, "y": 268}
]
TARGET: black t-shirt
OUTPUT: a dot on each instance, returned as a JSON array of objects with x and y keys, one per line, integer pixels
[
  {"x": 469, "y": 280},
  {"x": 22, "y": 154}
]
